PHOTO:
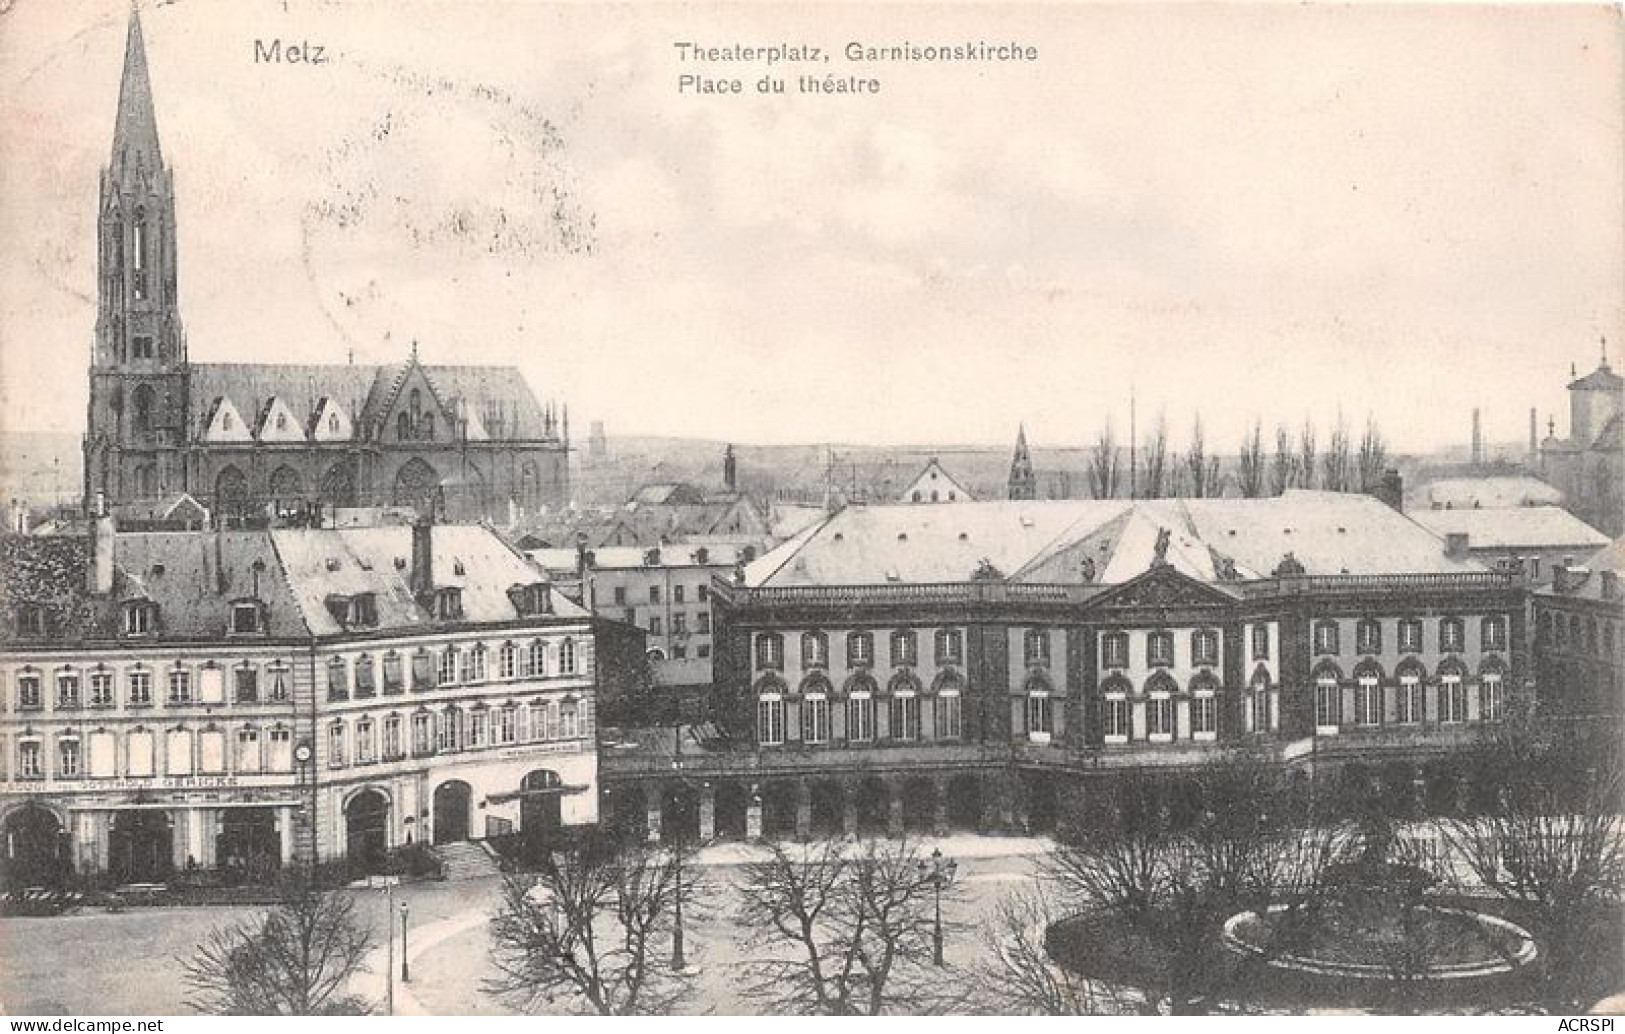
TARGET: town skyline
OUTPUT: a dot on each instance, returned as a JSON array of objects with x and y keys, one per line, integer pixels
[{"x": 667, "y": 292}]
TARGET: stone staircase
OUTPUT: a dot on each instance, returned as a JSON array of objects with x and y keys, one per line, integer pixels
[{"x": 466, "y": 860}]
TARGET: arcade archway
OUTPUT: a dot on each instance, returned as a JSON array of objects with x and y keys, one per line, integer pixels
[
  {"x": 35, "y": 848},
  {"x": 451, "y": 811},
  {"x": 366, "y": 829}
]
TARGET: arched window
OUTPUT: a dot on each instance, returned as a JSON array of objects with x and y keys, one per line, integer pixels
[
  {"x": 1328, "y": 699},
  {"x": 1491, "y": 692},
  {"x": 426, "y": 427},
  {"x": 403, "y": 427},
  {"x": 1452, "y": 695},
  {"x": 1408, "y": 693},
  {"x": 143, "y": 407},
  {"x": 1368, "y": 695}
]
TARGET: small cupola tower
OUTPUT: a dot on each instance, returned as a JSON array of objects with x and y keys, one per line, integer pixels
[{"x": 1023, "y": 480}]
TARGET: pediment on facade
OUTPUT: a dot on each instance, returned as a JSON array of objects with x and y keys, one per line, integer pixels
[{"x": 1163, "y": 587}]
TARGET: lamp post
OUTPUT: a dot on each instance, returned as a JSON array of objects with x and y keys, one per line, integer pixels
[
  {"x": 678, "y": 961},
  {"x": 939, "y": 871},
  {"x": 406, "y": 965}
]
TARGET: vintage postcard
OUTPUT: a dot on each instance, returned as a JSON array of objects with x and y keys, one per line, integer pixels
[{"x": 520, "y": 508}]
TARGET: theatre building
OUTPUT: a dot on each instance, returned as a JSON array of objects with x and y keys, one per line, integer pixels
[
  {"x": 993, "y": 665},
  {"x": 245, "y": 699}
]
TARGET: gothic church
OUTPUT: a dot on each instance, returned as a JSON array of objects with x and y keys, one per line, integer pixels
[{"x": 262, "y": 441}]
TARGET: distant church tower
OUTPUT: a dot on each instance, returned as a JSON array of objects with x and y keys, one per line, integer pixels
[
  {"x": 136, "y": 423},
  {"x": 1023, "y": 481}
]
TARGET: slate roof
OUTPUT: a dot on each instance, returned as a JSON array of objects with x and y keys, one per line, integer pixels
[
  {"x": 1514, "y": 527},
  {"x": 619, "y": 558},
  {"x": 347, "y": 561},
  {"x": 1603, "y": 378},
  {"x": 364, "y": 392},
  {"x": 194, "y": 577},
  {"x": 1495, "y": 492},
  {"x": 1046, "y": 541}
]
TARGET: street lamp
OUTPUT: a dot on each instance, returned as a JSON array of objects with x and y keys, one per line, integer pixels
[
  {"x": 406, "y": 969},
  {"x": 939, "y": 871}
]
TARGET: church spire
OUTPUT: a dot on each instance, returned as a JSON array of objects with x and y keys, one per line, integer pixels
[
  {"x": 135, "y": 133},
  {"x": 1023, "y": 480}
]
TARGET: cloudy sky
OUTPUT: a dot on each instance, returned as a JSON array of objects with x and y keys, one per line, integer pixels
[{"x": 1247, "y": 211}]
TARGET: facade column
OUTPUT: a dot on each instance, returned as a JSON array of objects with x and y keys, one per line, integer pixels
[
  {"x": 894, "y": 809},
  {"x": 195, "y": 837},
  {"x": 652, "y": 819},
  {"x": 803, "y": 810},
  {"x": 753, "y": 814},
  {"x": 179, "y": 838},
  {"x": 284, "y": 830},
  {"x": 939, "y": 822},
  {"x": 708, "y": 812}
]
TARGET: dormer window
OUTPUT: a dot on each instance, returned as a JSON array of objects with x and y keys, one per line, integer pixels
[
  {"x": 245, "y": 618},
  {"x": 30, "y": 621},
  {"x": 358, "y": 611},
  {"x": 530, "y": 599},
  {"x": 140, "y": 617},
  {"x": 448, "y": 604}
]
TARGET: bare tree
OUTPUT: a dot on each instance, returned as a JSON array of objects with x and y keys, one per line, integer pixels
[
  {"x": 1284, "y": 467},
  {"x": 844, "y": 929},
  {"x": 1337, "y": 467},
  {"x": 1203, "y": 468},
  {"x": 1104, "y": 459},
  {"x": 1550, "y": 841},
  {"x": 1020, "y": 977},
  {"x": 296, "y": 960},
  {"x": 1372, "y": 460},
  {"x": 589, "y": 929},
  {"x": 1154, "y": 484},
  {"x": 1306, "y": 455},
  {"x": 1176, "y": 487},
  {"x": 1250, "y": 468}
]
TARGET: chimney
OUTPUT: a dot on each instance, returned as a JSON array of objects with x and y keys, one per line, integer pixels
[
  {"x": 99, "y": 578},
  {"x": 1390, "y": 488},
  {"x": 1610, "y": 584},
  {"x": 422, "y": 572},
  {"x": 1478, "y": 438},
  {"x": 1560, "y": 579},
  {"x": 1455, "y": 545}
]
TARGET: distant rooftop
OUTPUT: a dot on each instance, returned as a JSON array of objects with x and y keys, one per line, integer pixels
[{"x": 1514, "y": 527}]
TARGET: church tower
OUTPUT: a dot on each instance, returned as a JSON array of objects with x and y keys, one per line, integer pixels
[
  {"x": 1023, "y": 480},
  {"x": 137, "y": 422}
]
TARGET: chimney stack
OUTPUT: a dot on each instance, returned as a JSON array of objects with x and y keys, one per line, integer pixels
[
  {"x": 1560, "y": 579},
  {"x": 422, "y": 573},
  {"x": 99, "y": 578},
  {"x": 1478, "y": 438},
  {"x": 1390, "y": 488},
  {"x": 1455, "y": 545},
  {"x": 1610, "y": 585}
]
